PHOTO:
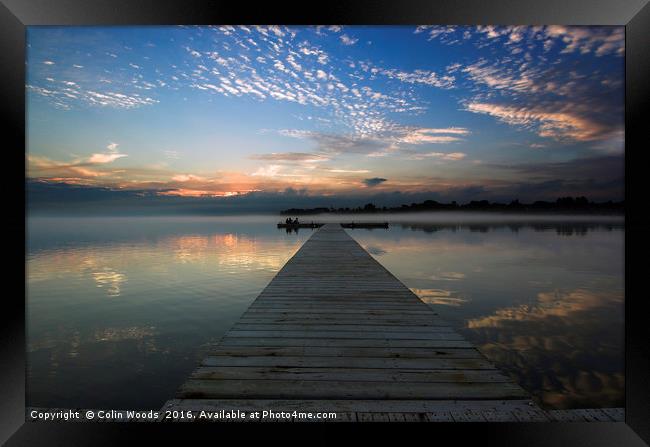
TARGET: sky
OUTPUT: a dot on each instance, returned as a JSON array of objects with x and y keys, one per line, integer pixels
[{"x": 254, "y": 114}]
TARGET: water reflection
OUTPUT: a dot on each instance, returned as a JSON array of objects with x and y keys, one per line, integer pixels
[
  {"x": 439, "y": 296},
  {"x": 550, "y": 305},
  {"x": 228, "y": 250},
  {"x": 110, "y": 279},
  {"x": 543, "y": 300},
  {"x": 560, "y": 228},
  {"x": 181, "y": 285},
  {"x": 66, "y": 263},
  {"x": 374, "y": 250},
  {"x": 121, "y": 334},
  {"x": 567, "y": 345},
  {"x": 448, "y": 276}
]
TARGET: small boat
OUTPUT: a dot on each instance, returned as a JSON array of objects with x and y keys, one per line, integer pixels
[
  {"x": 300, "y": 225},
  {"x": 365, "y": 225}
]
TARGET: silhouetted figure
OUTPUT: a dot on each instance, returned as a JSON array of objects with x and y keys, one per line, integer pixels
[
  {"x": 286, "y": 221},
  {"x": 296, "y": 221}
]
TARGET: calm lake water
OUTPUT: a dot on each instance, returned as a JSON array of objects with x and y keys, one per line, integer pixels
[{"x": 120, "y": 310}]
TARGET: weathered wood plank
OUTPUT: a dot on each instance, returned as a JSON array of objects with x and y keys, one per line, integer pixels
[
  {"x": 293, "y": 351},
  {"x": 336, "y": 323},
  {"x": 307, "y": 389},
  {"x": 397, "y": 410},
  {"x": 347, "y": 362},
  {"x": 292, "y": 310},
  {"x": 439, "y": 416},
  {"x": 340, "y": 328},
  {"x": 616, "y": 414},
  {"x": 334, "y": 302},
  {"x": 342, "y": 342},
  {"x": 467, "y": 415},
  {"x": 361, "y": 318},
  {"x": 530, "y": 414},
  {"x": 592, "y": 415},
  {"x": 393, "y": 335},
  {"x": 498, "y": 415},
  {"x": 354, "y": 374},
  {"x": 565, "y": 416},
  {"x": 598, "y": 415},
  {"x": 347, "y": 405},
  {"x": 411, "y": 417},
  {"x": 344, "y": 417},
  {"x": 326, "y": 308}
]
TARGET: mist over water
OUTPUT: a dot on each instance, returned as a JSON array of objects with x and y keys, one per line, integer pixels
[
  {"x": 123, "y": 303},
  {"x": 461, "y": 217}
]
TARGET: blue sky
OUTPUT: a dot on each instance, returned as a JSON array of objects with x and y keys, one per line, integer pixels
[{"x": 455, "y": 112}]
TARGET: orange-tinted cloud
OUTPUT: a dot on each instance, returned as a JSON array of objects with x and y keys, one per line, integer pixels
[{"x": 563, "y": 124}]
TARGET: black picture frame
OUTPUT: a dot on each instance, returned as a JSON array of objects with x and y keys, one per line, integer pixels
[{"x": 15, "y": 15}]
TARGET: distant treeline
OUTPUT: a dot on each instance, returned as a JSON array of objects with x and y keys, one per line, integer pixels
[{"x": 561, "y": 205}]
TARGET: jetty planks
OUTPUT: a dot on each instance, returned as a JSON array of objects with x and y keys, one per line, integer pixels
[{"x": 335, "y": 331}]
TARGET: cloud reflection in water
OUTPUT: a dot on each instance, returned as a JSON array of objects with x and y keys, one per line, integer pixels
[{"x": 542, "y": 300}]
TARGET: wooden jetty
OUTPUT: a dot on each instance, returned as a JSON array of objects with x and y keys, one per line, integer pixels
[
  {"x": 335, "y": 331},
  {"x": 344, "y": 225}
]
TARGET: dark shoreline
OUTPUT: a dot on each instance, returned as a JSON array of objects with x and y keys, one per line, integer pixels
[
  {"x": 563, "y": 205},
  {"x": 529, "y": 211}
]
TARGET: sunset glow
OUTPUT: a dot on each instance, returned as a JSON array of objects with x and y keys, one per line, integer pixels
[{"x": 447, "y": 112}]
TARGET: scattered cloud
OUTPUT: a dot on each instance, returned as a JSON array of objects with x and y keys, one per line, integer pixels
[
  {"x": 558, "y": 82},
  {"x": 587, "y": 39},
  {"x": 64, "y": 93},
  {"x": 435, "y": 136},
  {"x": 320, "y": 29},
  {"x": 187, "y": 178},
  {"x": 347, "y": 40},
  {"x": 346, "y": 171},
  {"x": 437, "y": 32},
  {"x": 499, "y": 77},
  {"x": 172, "y": 155},
  {"x": 607, "y": 168},
  {"x": 105, "y": 158},
  {"x": 112, "y": 155},
  {"x": 563, "y": 123},
  {"x": 277, "y": 171},
  {"x": 333, "y": 144},
  {"x": 447, "y": 156},
  {"x": 425, "y": 77},
  {"x": 596, "y": 40},
  {"x": 291, "y": 157},
  {"x": 385, "y": 138},
  {"x": 43, "y": 167},
  {"x": 274, "y": 63},
  {"x": 370, "y": 182}
]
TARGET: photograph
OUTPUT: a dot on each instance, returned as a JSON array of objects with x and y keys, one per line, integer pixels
[{"x": 350, "y": 223}]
